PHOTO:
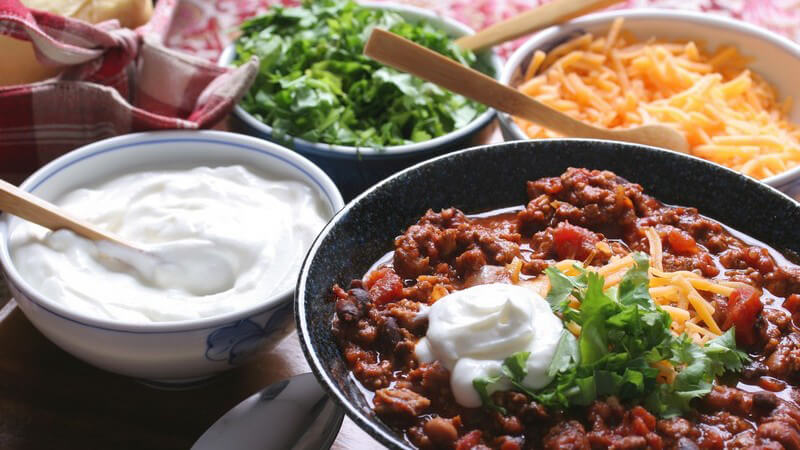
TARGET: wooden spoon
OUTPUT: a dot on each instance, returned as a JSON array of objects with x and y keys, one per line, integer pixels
[
  {"x": 193, "y": 265},
  {"x": 554, "y": 12},
  {"x": 25, "y": 205},
  {"x": 402, "y": 54}
]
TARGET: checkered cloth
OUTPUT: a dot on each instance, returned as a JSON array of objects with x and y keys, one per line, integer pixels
[
  {"x": 204, "y": 27},
  {"x": 115, "y": 80}
]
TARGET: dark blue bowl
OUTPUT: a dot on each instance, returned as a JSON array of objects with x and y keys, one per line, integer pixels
[
  {"x": 354, "y": 169},
  {"x": 353, "y": 172},
  {"x": 491, "y": 177}
]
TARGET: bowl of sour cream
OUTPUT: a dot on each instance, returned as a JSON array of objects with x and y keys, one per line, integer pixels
[{"x": 251, "y": 206}]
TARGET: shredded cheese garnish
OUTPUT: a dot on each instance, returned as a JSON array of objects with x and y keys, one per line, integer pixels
[
  {"x": 514, "y": 268},
  {"x": 678, "y": 294}
]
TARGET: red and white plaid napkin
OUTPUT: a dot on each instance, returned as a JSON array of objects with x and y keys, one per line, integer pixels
[{"x": 115, "y": 80}]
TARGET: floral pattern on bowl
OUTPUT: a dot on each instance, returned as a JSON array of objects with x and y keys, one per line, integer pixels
[{"x": 238, "y": 341}]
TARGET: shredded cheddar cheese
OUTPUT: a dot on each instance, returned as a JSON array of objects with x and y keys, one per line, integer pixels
[
  {"x": 728, "y": 114},
  {"x": 679, "y": 293}
]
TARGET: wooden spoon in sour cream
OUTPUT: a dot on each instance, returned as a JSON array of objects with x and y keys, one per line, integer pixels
[{"x": 193, "y": 265}]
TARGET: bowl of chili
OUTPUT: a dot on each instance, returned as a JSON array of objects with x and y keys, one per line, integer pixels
[{"x": 362, "y": 288}]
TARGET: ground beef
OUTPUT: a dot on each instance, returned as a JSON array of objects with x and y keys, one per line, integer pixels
[
  {"x": 378, "y": 320},
  {"x": 450, "y": 238},
  {"x": 597, "y": 200},
  {"x": 677, "y": 432},
  {"x": 519, "y": 405},
  {"x": 784, "y": 361},
  {"x": 616, "y": 427},
  {"x": 756, "y": 264},
  {"x": 724, "y": 398},
  {"x": 399, "y": 405},
  {"x": 566, "y": 436},
  {"x": 604, "y": 203},
  {"x": 779, "y": 341}
]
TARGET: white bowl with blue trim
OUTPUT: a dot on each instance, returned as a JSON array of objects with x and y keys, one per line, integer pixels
[{"x": 165, "y": 352}]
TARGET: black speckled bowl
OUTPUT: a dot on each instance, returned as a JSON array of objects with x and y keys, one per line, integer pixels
[{"x": 492, "y": 177}]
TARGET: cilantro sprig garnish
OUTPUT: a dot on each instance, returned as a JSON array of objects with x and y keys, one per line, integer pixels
[
  {"x": 623, "y": 334},
  {"x": 314, "y": 82}
]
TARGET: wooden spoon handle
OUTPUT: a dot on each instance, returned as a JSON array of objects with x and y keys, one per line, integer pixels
[
  {"x": 554, "y": 12},
  {"x": 14, "y": 200},
  {"x": 405, "y": 55}
]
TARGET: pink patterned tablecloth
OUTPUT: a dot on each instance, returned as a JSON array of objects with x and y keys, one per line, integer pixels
[{"x": 204, "y": 27}]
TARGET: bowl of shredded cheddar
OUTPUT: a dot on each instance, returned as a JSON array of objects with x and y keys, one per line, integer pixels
[{"x": 728, "y": 86}]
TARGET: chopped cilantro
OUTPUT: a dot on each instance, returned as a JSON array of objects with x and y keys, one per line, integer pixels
[
  {"x": 724, "y": 355},
  {"x": 561, "y": 286},
  {"x": 567, "y": 354},
  {"x": 314, "y": 82},
  {"x": 481, "y": 384},
  {"x": 515, "y": 366},
  {"x": 623, "y": 332}
]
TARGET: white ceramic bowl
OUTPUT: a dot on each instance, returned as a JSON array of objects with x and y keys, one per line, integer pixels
[
  {"x": 166, "y": 352},
  {"x": 775, "y": 58},
  {"x": 356, "y": 168}
]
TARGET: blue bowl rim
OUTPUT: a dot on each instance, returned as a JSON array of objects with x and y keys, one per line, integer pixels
[
  {"x": 350, "y": 152},
  {"x": 268, "y": 149},
  {"x": 370, "y": 425}
]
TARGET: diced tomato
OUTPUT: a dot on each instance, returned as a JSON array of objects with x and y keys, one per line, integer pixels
[
  {"x": 338, "y": 292},
  {"x": 654, "y": 441},
  {"x": 771, "y": 384},
  {"x": 384, "y": 286},
  {"x": 648, "y": 421},
  {"x": 744, "y": 306},
  {"x": 639, "y": 427},
  {"x": 511, "y": 444},
  {"x": 469, "y": 440},
  {"x": 373, "y": 276},
  {"x": 573, "y": 242},
  {"x": 792, "y": 304},
  {"x": 644, "y": 424},
  {"x": 682, "y": 242}
]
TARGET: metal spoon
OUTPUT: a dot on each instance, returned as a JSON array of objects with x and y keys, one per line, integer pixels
[
  {"x": 293, "y": 414},
  {"x": 402, "y": 54}
]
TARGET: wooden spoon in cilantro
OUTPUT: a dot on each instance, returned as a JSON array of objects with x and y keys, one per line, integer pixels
[{"x": 314, "y": 82}]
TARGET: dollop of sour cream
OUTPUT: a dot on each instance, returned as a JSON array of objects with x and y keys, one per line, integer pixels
[
  {"x": 253, "y": 229},
  {"x": 472, "y": 331}
]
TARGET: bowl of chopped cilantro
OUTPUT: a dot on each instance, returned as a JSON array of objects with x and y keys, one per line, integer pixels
[{"x": 360, "y": 121}]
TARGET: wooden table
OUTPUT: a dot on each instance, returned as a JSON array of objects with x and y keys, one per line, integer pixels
[{"x": 51, "y": 400}]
